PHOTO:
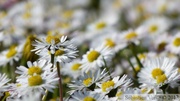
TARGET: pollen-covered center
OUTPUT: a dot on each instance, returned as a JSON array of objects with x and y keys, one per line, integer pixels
[
  {"x": 50, "y": 38},
  {"x": 176, "y": 42},
  {"x": 88, "y": 98},
  {"x": 161, "y": 78},
  {"x": 110, "y": 42},
  {"x": 12, "y": 52},
  {"x": 156, "y": 72},
  {"x": 34, "y": 70},
  {"x": 131, "y": 35},
  {"x": 87, "y": 81},
  {"x": 59, "y": 52},
  {"x": 75, "y": 66},
  {"x": 118, "y": 94},
  {"x": 153, "y": 28},
  {"x": 27, "y": 15},
  {"x": 35, "y": 80},
  {"x": 159, "y": 75},
  {"x": 107, "y": 84},
  {"x": 100, "y": 25},
  {"x": 93, "y": 55}
]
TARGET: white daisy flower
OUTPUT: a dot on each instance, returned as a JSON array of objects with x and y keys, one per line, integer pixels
[
  {"x": 133, "y": 35},
  {"x": 174, "y": 45},
  {"x": 158, "y": 72},
  {"x": 50, "y": 43},
  {"x": 110, "y": 40},
  {"x": 72, "y": 69},
  {"x": 11, "y": 55},
  {"x": 96, "y": 58},
  {"x": 38, "y": 83},
  {"x": 87, "y": 80},
  {"x": 156, "y": 25},
  {"x": 107, "y": 86},
  {"x": 37, "y": 67},
  {"x": 86, "y": 96},
  {"x": 3, "y": 81}
]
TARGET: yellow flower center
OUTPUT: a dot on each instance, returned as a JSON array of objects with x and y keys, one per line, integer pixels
[
  {"x": 88, "y": 98},
  {"x": 156, "y": 72},
  {"x": 161, "y": 78},
  {"x": 176, "y": 42},
  {"x": 159, "y": 75},
  {"x": 141, "y": 56},
  {"x": 110, "y": 43},
  {"x": 75, "y": 66},
  {"x": 67, "y": 14},
  {"x": 131, "y": 35},
  {"x": 100, "y": 25},
  {"x": 50, "y": 38},
  {"x": 93, "y": 55},
  {"x": 3, "y": 14},
  {"x": 59, "y": 52},
  {"x": 107, "y": 84},
  {"x": 163, "y": 8},
  {"x": 12, "y": 52},
  {"x": 62, "y": 25},
  {"x": 137, "y": 98},
  {"x": 35, "y": 80},
  {"x": 34, "y": 69},
  {"x": 87, "y": 81},
  {"x": 27, "y": 15},
  {"x": 153, "y": 28}
]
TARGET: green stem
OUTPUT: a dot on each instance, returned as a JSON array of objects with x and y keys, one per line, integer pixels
[
  {"x": 107, "y": 68},
  {"x": 133, "y": 49},
  {"x": 60, "y": 83},
  {"x": 130, "y": 63}
]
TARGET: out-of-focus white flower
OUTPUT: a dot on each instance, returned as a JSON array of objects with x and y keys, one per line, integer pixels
[
  {"x": 156, "y": 25},
  {"x": 174, "y": 44},
  {"x": 96, "y": 58},
  {"x": 72, "y": 69},
  {"x": 10, "y": 55}
]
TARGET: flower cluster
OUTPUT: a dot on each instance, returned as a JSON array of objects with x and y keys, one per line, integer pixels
[{"x": 89, "y": 50}]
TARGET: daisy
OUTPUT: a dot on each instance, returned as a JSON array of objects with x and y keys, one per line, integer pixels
[
  {"x": 96, "y": 58},
  {"x": 133, "y": 35},
  {"x": 156, "y": 25},
  {"x": 158, "y": 72},
  {"x": 87, "y": 80},
  {"x": 72, "y": 69},
  {"x": 10, "y": 55},
  {"x": 174, "y": 45},
  {"x": 111, "y": 40},
  {"x": 38, "y": 83},
  {"x": 107, "y": 86},
  {"x": 86, "y": 96},
  {"x": 50, "y": 43},
  {"x": 36, "y": 67},
  {"x": 3, "y": 81}
]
